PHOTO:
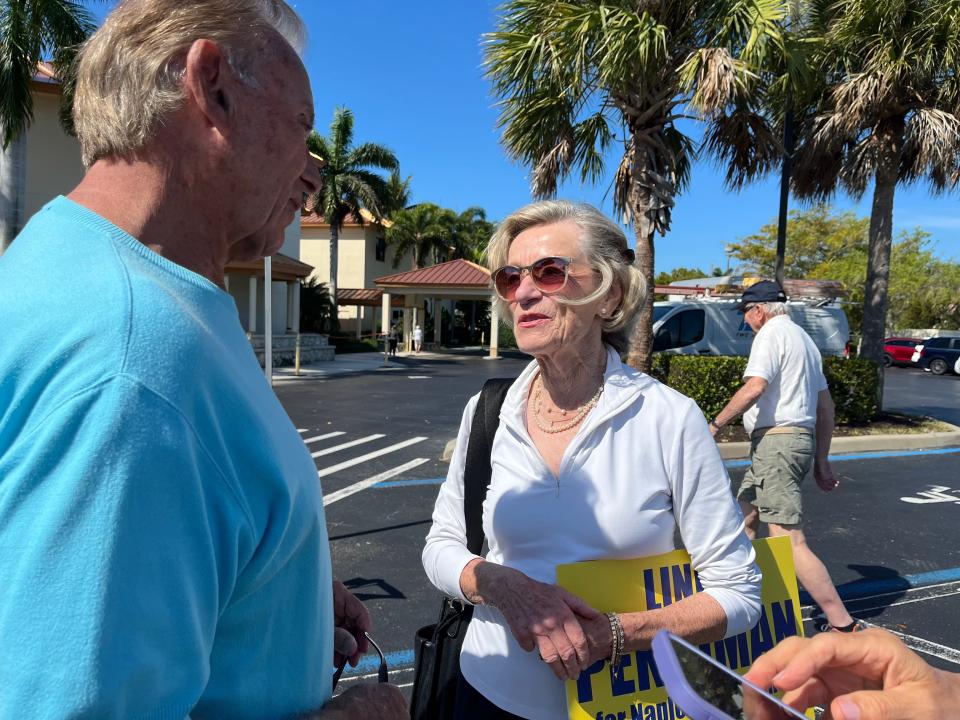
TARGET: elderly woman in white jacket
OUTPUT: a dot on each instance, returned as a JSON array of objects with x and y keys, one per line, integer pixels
[{"x": 592, "y": 460}]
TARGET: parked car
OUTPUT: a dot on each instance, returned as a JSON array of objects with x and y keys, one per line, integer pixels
[
  {"x": 899, "y": 350},
  {"x": 938, "y": 354},
  {"x": 715, "y": 327}
]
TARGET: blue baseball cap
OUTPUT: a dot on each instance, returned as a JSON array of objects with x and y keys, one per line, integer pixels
[{"x": 762, "y": 292}]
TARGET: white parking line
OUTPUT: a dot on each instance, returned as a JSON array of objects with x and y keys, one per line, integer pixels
[
  {"x": 344, "y": 446},
  {"x": 369, "y": 456},
  {"x": 927, "y": 647},
  {"x": 318, "y": 438},
  {"x": 364, "y": 484},
  {"x": 302, "y": 430},
  {"x": 927, "y": 592}
]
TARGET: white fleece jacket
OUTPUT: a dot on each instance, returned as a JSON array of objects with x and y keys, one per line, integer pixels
[{"x": 642, "y": 464}]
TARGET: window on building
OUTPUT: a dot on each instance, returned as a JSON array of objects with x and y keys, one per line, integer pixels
[{"x": 381, "y": 248}]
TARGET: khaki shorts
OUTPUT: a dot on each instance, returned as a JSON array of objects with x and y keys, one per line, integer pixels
[{"x": 779, "y": 463}]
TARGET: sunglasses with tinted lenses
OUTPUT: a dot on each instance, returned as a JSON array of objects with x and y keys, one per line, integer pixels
[{"x": 549, "y": 275}]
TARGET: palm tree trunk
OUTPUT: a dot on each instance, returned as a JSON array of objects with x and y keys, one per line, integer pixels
[
  {"x": 334, "y": 264},
  {"x": 641, "y": 340},
  {"x": 13, "y": 189},
  {"x": 881, "y": 239},
  {"x": 640, "y": 199}
]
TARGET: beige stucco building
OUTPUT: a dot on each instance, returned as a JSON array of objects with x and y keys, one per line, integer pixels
[
  {"x": 363, "y": 256},
  {"x": 52, "y": 157}
]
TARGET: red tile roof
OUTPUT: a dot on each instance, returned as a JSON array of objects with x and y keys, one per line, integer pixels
[
  {"x": 312, "y": 219},
  {"x": 456, "y": 273},
  {"x": 282, "y": 266},
  {"x": 365, "y": 296}
]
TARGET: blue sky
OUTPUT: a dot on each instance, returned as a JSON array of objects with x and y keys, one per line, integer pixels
[{"x": 411, "y": 73}]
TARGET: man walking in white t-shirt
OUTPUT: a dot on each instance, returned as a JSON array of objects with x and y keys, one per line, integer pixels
[{"x": 789, "y": 415}]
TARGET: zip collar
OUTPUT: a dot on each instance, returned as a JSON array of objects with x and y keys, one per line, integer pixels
[{"x": 622, "y": 386}]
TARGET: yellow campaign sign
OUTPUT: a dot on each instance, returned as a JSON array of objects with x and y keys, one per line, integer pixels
[{"x": 636, "y": 691}]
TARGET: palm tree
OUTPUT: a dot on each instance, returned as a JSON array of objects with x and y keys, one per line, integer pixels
[
  {"x": 470, "y": 231},
  {"x": 30, "y": 30},
  {"x": 349, "y": 183},
  {"x": 885, "y": 110},
  {"x": 575, "y": 76},
  {"x": 422, "y": 230},
  {"x": 398, "y": 193}
]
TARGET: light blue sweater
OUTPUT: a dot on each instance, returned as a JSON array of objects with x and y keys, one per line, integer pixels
[{"x": 163, "y": 550}]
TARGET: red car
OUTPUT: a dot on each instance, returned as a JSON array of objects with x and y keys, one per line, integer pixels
[{"x": 898, "y": 350}]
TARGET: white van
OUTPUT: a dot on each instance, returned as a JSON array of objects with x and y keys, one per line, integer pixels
[{"x": 715, "y": 327}]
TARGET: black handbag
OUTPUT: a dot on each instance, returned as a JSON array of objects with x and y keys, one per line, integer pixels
[{"x": 437, "y": 646}]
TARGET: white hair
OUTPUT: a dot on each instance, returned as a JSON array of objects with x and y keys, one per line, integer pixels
[
  {"x": 772, "y": 309},
  {"x": 604, "y": 244},
  {"x": 131, "y": 70}
]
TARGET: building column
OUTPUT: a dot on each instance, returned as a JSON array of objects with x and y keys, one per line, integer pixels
[
  {"x": 385, "y": 322},
  {"x": 494, "y": 329},
  {"x": 226, "y": 283},
  {"x": 252, "y": 305},
  {"x": 288, "y": 323},
  {"x": 295, "y": 312},
  {"x": 437, "y": 322},
  {"x": 408, "y": 329},
  {"x": 359, "y": 321}
]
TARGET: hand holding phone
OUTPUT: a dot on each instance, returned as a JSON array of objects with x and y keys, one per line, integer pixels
[{"x": 707, "y": 690}]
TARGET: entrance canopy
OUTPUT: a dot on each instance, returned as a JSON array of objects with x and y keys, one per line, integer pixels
[{"x": 453, "y": 280}]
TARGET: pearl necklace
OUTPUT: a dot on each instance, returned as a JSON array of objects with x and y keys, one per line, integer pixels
[{"x": 552, "y": 427}]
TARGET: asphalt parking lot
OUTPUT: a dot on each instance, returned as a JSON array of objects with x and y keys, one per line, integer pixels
[
  {"x": 895, "y": 560},
  {"x": 922, "y": 393}
]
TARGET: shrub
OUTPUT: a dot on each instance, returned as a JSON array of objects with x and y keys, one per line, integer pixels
[
  {"x": 505, "y": 338},
  {"x": 855, "y": 386},
  {"x": 711, "y": 381}
]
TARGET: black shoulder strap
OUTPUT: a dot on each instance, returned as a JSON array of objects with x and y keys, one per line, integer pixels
[{"x": 476, "y": 472}]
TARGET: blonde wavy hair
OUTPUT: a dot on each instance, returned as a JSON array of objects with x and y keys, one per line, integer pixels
[
  {"x": 603, "y": 243},
  {"x": 130, "y": 70}
]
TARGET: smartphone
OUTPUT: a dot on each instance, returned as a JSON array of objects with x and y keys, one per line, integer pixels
[{"x": 706, "y": 690}]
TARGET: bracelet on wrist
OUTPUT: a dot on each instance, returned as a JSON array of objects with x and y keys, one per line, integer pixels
[{"x": 618, "y": 640}]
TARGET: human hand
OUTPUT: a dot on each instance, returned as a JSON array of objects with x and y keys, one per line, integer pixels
[
  {"x": 823, "y": 474},
  {"x": 382, "y": 701},
  {"x": 868, "y": 675},
  {"x": 351, "y": 615},
  {"x": 713, "y": 428},
  {"x": 599, "y": 638},
  {"x": 542, "y": 617}
]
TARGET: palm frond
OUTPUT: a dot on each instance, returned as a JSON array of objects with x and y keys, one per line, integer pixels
[
  {"x": 19, "y": 52},
  {"x": 932, "y": 148},
  {"x": 373, "y": 155},
  {"x": 745, "y": 144}
]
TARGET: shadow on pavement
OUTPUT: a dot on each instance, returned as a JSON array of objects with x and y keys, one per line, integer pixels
[
  {"x": 386, "y": 590},
  {"x": 884, "y": 586},
  {"x": 379, "y": 530}
]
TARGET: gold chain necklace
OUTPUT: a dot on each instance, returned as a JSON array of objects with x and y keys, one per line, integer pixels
[{"x": 552, "y": 427}]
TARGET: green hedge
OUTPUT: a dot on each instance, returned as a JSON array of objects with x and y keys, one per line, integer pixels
[
  {"x": 855, "y": 387},
  {"x": 711, "y": 382}
]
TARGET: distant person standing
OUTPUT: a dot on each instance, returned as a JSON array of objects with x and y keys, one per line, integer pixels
[
  {"x": 417, "y": 338},
  {"x": 392, "y": 339},
  {"x": 789, "y": 415}
]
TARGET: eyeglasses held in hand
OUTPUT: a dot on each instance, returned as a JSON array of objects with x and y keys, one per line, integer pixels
[
  {"x": 549, "y": 275},
  {"x": 382, "y": 673}
]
